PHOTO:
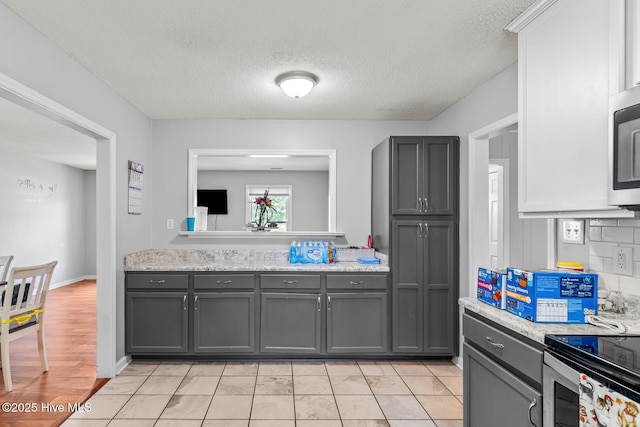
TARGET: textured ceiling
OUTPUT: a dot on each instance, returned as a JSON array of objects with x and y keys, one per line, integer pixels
[{"x": 376, "y": 59}]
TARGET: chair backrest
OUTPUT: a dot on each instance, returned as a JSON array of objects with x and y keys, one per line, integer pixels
[
  {"x": 5, "y": 262},
  {"x": 26, "y": 289}
]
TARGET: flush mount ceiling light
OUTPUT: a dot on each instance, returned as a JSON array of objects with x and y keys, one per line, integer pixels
[{"x": 296, "y": 84}]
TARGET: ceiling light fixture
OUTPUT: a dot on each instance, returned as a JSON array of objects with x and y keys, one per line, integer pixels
[{"x": 296, "y": 84}]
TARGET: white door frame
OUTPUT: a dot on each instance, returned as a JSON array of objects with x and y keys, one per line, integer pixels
[
  {"x": 105, "y": 212},
  {"x": 479, "y": 194},
  {"x": 504, "y": 164}
]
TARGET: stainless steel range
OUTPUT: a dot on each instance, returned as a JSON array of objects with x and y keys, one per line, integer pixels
[{"x": 591, "y": 381}]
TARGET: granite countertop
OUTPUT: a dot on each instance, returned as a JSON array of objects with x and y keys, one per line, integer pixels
[
  {"x": 235, "y": 260},
  {"x": 537, "y": 331}
]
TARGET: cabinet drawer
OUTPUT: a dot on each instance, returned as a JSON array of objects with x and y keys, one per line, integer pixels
[
  {"x": 289, "y": 281},
  {"x": 223, "y": 281},
  {"x": 350, "y": 281},
  {"x": 518, "y": 354},
  {"x": 157, "y": 281}
]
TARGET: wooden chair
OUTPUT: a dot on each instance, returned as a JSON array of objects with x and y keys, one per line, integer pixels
[
  {"x": 5, "y": 262},
  {"x": 23, "y": 308}
]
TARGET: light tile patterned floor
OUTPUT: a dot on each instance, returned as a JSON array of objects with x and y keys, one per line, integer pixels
[{"x": 279, "y": 394}]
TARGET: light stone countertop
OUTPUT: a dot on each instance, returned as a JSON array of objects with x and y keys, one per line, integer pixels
[
  {"x": 537, "y": 331},
  {"x": 235, "y": 260}
]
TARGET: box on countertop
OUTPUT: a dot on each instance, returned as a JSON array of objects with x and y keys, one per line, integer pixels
[
  {"x": 552, "y": 296},
  {"x": 491, "y": 287}
]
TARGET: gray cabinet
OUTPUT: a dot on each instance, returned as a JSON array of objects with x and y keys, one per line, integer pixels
[
  {"x": 414, "y": 220},
  {"x": 357, "y": 322},
  {"x": 424, "y": 286},
  {"x": 423, "y": 175},
  {"x": 507, "y": 364},
  {"x": 157, "y": 322},
  {"x": 290, "y": 323},
  {"x": 498, "y": 397},
  {"x": 223, "y": 322},
  {"x": 157, "y": 313}
]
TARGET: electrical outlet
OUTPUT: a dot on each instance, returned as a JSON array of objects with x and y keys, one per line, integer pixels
[
  {"x": 573, "y": 231},
  {"x": 170, "y": 224},
  {"x": 623, "y": 261},
  {"x": 623, "y": 356}
]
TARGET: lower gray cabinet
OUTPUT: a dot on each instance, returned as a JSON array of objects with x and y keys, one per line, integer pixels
[
  {"x": 357, "y": 322},
  {"x": 290, "y": 323},
  {"x": 157, "y": 322},
  {"x": 223, "y": 322},
  {"x": 498, "y": 398}
]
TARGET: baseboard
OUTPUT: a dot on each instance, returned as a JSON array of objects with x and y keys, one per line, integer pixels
[
  {"x": 457, "y": 361},
  {"x": 71, "y": 281},
  {"x": 122, "y": 363}
]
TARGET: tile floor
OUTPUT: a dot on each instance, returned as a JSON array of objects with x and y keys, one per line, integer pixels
[{"x": 279, "y": 394}]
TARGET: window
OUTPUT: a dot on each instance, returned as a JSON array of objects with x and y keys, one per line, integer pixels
[{"x": 278, "y": 216}]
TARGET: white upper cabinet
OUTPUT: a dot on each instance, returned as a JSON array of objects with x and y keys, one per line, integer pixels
[{"x": 570, "y": 60}]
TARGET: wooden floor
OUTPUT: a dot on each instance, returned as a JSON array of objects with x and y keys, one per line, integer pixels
[{"x": 70, "y": 340}]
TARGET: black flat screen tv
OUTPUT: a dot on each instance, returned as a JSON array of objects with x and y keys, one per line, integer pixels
[{"x": 215, "y": 200}]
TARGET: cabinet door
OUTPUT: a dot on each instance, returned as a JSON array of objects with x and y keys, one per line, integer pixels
[
  {"x": 290, "y": 323},
  {"x": 224, "y": 322},
  {"x": 357, "y": 322},
  {"x": 406, "y": 175},
  {"x": 564, "y": 88},
  {"x": 406, "y": 263},
  {"x": 440, "y": 171},
  {"x": 439, "y": 283},
  {"x": 499, "y": 398},
  {"x": 156, "y": 322}
]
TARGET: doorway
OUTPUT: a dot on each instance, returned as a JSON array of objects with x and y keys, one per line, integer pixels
[
  {"x": 105, "y": 216},
  {"x": 498, "y": 235}
]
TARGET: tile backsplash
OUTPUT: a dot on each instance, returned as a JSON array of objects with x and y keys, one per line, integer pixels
[{"x": 604, "y": 236}]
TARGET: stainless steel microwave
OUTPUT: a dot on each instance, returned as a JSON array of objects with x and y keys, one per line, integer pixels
[{"x": 624, "y": 150}]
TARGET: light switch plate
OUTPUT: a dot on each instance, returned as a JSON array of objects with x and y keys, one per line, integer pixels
[{"x": 573, "y": 231}]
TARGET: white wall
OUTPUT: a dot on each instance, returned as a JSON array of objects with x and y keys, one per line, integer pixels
[
  {"x": 310, "y": 189},
  {"x": 352, "y": 140},
  {"x": 45, "y": 211},
  {"x": 28, "y": 57},
  {"x": 490, "y": 102}
]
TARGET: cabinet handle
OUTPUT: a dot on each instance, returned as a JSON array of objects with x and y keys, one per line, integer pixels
[
  {"x": 494, "y": 344},
  {"x": 419, "y": 204},
  {"x": 329, "y": 302},
  {"x": 319, "y": 304},
  {"x": 534, "y": 402},
  {"x": 184, "y": 302},
  {"x": 159, "y": 282},
  {"x": 195, "y": 302},
  {"x": 426, "y": 204},
  {"x": 361, "y": 282},
  {"x": 226, "y": 282},
  {"x": 426, "y": 230},
  {"x": 420, "y": 230},
  {"x": 289, "y": 282}
]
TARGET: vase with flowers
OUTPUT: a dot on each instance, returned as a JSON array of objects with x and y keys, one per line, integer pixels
[{"x": 264, "y": 211}]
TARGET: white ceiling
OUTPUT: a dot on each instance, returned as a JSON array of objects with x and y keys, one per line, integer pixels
[
  {"x": 24, "y": 131},
  {"x": 375, "y": 59}
]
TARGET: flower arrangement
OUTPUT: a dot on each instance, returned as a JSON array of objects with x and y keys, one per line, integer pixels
[{"x": 264, "y": 210}]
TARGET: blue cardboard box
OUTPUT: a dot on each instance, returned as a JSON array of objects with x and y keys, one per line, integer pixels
[
  {"x": 491, "y": 287},
  {"x": 552, "y": 296}
]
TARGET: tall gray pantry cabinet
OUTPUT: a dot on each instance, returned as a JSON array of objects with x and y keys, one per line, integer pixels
[{"x": 414, "y": 218}]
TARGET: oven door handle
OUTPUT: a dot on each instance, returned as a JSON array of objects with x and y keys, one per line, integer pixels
[{"x": 533, "y": 404}]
